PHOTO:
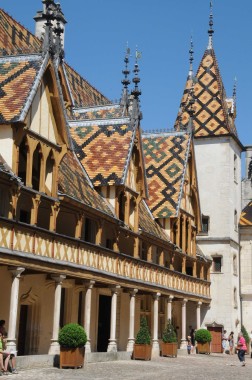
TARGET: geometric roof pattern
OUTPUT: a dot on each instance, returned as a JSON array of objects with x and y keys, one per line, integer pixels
[
  {"x": 165, "y": 163},
  {"x": 83, "y": 93},
  {"x": 211, "y": 117},
  {"x": 17, "y": 74},
  {"x": 103, "y": 150},
  {"x": 103, "y": 112},
  {"x": 148, "y": 224},
  {"x": 246, "y": 215},
  {"x": 14, "y": 38},
  {"x": 73, "y": 181}
]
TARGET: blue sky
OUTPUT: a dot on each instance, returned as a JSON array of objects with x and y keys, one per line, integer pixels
[{"x": 97, "y": 32}]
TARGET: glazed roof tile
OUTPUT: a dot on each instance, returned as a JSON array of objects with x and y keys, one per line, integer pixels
[
  {"x": 14, "y": 38},
  {"x": 103, "y": 112},
  {"x": 17, "y": 75},
  {"x": 165, "y": 162},
  {"x": 103, "y": 151},
  {"x": 211, "y": 117},
  {"x": 83, "y": 93},
  {"x": 246, "y": 215},
  {"x": 74, "y": 182},
  {"x": 148, "y": 224}
]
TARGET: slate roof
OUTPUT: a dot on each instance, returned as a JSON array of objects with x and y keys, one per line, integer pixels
[
  {"x": 246, "y": 215},
  {"x": 17, "y": 75},
  {"x": 73, "y": 181},
  {"x": 103, "y": 150},
  {"x": 166, "y": 157},
  {"x": 211, "y": 107},
  {"x": 148, "y": 224}
]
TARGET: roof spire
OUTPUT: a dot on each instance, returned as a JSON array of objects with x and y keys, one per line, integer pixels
[
  {"x": 49, "y": 17},
  {"x": 58, "y": 30},
  {"x": 233, "y": 110},
  {"x": 190, "y": 75},
  {"x": 190, "y": 108},
  {"x": 136, "y": 92},
  {"x": 210, "y": 30},
  {"x": 125, "y": 81}
]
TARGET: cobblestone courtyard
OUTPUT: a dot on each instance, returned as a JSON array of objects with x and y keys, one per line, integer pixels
[{"x": 184, "y": 367}]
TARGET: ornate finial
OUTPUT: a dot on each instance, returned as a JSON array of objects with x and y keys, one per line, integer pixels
[
  {"x": 125, "y": 81},
  {"x": 233, "y": 109},
  {"x": 210, "y": 30},
  {"x": 191, "y": 59},
  {"x": 136, "y": 92},
  {"x": 49, "y": 17},
  {"x": 58, "y": 30},
  {"x": 190, "y": 108}
]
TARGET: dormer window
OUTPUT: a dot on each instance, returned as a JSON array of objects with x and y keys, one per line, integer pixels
[{"x": 122, "y": 203}]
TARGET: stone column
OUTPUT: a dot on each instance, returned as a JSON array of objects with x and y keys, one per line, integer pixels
[
  {"x": 169, "y": 308},
  {"x": 131, "y": 338},
  {"x": 155, "y": 343},
  {"x": 198, "y": 324},
  {"x": 11, "y": 340},
  {"x": 54, "y": 347},
  {"x": 87, "y": 317},
  {"x": 112, "y": 346},
  {"x": 183, "y": 337}
]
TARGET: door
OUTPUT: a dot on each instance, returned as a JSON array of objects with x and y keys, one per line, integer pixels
[
  {"x": 103, "y": 323},
  {"x": 22, "y": 331},
  {"x": 216, "y": 339}
]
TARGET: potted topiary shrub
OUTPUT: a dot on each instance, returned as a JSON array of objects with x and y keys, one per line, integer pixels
[
  {"x": 72, "y": 339},
  {"x": 203, "y": 338},
  {"x": 169, "y": 345},
  {"x": 142, "y": 346}
]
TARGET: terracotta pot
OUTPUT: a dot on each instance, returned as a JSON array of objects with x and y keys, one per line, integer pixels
[
  {"x": 72, "y": 357},
  {"x": 203, "y": 348},
  {"x": 142, "y": 351},
  {"x": 169, "y": 349}
]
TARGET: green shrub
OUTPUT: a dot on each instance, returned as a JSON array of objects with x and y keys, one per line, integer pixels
[
  {"x": 245, "y": 334},
  {"x": 72, "y": 335},
  {"x": 203, "y": 336},
  {"x": 169, "y": 334},
  {"x": 143, "y": 335}
]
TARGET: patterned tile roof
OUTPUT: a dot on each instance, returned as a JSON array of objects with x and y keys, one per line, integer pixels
[
  {"x": 17, "y": 75},
  {"x": 14, "y": 38},
  {"x": 165, "y": 161},
  {"x": 148, "y": 224},
  {"x": 246, "y": 215},
  {"x": 74, "y": 182},
  {"x": 83, "y": 93},
  {"x": 211, "y": 116},
  {"x": 103, "y": 151},
  {"x": 102, "y": 112}
]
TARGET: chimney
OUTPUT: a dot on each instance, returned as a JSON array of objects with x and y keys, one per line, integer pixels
[{"x": 40, "y": 21}]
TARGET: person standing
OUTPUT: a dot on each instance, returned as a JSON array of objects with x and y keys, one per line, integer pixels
[
  {"x": 224, "y": 341},
  {"x": 231, "y": 343},
  {"x": 242, "y": 348},
  {"x": 192, "y": 335}
]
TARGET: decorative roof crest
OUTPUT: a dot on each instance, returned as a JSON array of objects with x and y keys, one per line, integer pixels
[{"x": 210, "y": 30}]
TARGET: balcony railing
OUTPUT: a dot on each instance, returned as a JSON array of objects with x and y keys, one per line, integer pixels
[{"x": 18, "y": 237}]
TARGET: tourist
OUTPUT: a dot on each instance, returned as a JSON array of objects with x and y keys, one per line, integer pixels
[
  {"x": 189, "y": 345},
  {"x": 192, "y": 335},
  {"x": 224, "y": 341},
  {"x": 242, "y": 348},
  {"x": 231, "y": 343}
]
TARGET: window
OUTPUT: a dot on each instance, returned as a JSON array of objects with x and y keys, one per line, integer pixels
[
  {"x": 25, "y": 216},
  {"x": 235, "y": 264},
  {"x": 235, "y": 220},
  {"x": 205, "y": 224},
  {"x": 235, "y": 168},
  {"x": 216, "y": 265},
  {"x": 235, "y": 299}
]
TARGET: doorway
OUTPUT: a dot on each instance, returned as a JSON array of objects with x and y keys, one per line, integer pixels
[
  {"x": 216, "y": 339},
  {"x": 103, "y": 323},
  {"x": 22, "y": 331}
]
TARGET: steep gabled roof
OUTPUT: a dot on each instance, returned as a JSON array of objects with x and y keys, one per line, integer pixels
[
  {"x": 211, "y": 106},
  {"x": 103, "y": 147},
  {"x": 16, "y": 39},
  {"x": 17, "y": 77},
  {"x": 74, "y": 182},
  {"x": 166, "y": 156},
  {"x": 83, "y": 93},
  {"x": 246, "y": 215},
  {"x": 148, "y": 224}
]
